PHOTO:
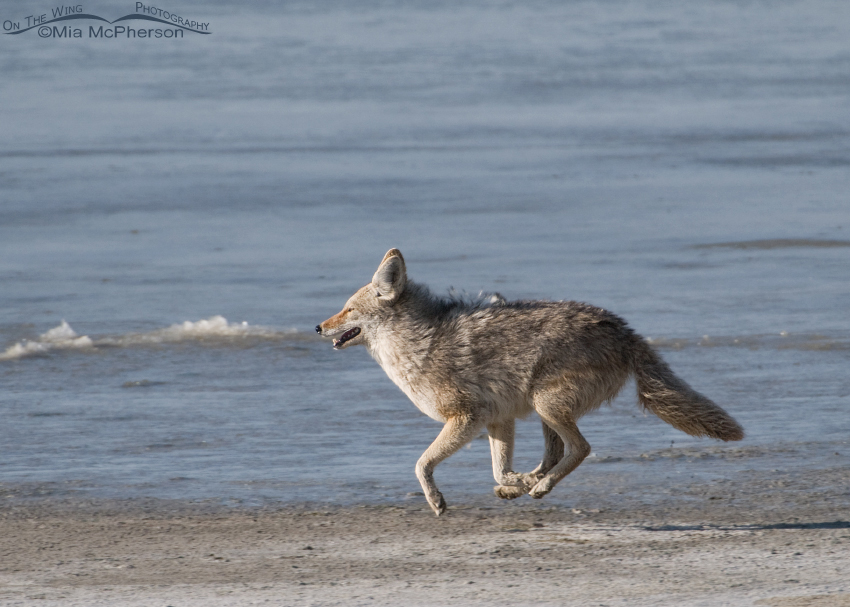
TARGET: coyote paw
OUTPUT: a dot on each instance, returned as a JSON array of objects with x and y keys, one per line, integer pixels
[
  {"x": 539, "y": 490},
  {"x": 437, "y": 503},
  {"x": 509, "y": 492}
]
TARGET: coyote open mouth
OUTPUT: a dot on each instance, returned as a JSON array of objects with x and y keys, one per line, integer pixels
[{"x": 350, "y": 334}]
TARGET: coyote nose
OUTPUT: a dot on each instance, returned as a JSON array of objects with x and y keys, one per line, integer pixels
[{"x": 318, "y": 328}]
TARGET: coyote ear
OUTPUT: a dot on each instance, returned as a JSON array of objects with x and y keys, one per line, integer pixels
[{"x": 391, "y": 277}]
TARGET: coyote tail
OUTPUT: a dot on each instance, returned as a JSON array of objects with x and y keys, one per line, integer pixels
[{"x": 674, "y": 401}]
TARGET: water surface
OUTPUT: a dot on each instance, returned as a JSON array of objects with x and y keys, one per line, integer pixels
[{"x": 176, "y": 216}]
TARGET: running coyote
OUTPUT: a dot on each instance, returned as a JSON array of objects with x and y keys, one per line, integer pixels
[{"x": 484, "y": 363}]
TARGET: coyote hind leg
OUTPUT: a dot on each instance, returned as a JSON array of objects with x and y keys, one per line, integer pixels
[
  {"x": 553, "y": 451},
  {"x": 559, "y": 417},
  {"x": 511, "y": 484},
  {"x": 455, "y": 434}
]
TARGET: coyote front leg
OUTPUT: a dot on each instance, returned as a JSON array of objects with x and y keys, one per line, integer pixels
[
  {"x": 511, "y": 484},
  {"x": 455, "y": 434}
]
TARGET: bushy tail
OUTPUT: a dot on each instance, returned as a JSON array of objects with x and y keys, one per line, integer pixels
[{"x": 674, "y": 401}]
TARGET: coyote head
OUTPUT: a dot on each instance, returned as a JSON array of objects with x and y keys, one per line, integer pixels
[{"x": 364, "y": 311}]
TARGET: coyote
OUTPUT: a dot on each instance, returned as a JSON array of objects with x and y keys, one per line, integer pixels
[{"x": 483, "y": 363}]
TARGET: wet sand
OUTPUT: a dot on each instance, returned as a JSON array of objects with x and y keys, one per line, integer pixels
[{"x": 780, "y": 540}]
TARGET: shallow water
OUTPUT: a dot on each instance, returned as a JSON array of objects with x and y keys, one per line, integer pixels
[{"x": 682, "y": 165}]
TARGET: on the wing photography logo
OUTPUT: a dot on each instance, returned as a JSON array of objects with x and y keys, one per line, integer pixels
[{"x": 66, "y": 22}]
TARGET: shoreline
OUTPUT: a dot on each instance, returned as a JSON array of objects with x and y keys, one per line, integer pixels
[{"x": 753, "y": 543}]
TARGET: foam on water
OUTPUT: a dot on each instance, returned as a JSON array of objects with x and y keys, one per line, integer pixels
[
  {"x": 215, "y": 329},
  {"x": 62, "y": 337}
]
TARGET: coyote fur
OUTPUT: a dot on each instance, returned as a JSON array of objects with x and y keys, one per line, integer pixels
[{"x": 482, "y": 364}]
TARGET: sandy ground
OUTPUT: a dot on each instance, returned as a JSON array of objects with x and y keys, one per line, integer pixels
[{"x": 778, "y": 541}]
